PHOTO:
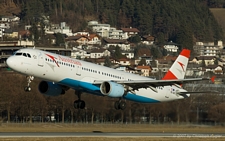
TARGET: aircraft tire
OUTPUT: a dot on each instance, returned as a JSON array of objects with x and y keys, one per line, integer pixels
[
  {"x": 27, "y": 89},
  {"x": 122, "y": 105},
  {"x": 81, "y": 104},
  {"x": 117, "y": 105}
]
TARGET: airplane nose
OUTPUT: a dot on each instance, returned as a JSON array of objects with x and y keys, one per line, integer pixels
[{"x": 10, "y": 62}]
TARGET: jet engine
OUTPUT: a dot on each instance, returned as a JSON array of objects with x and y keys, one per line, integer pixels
[
  {"x": 112, "y": 89},
  {"x": 50, "y": 88}
]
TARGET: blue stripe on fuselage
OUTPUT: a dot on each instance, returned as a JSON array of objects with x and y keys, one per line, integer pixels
[{"x": 94, "y": 89}]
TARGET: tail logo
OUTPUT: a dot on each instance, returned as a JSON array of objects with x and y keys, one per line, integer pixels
[{"x": 182, "y": 65}]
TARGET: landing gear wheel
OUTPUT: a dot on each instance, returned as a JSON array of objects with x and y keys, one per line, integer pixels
[
  {"x": 79, "y": 104},
  {"x": 27, "y": 89},
  {"x": 117, "y": 105},
  {"x": 120, "y": 105}
]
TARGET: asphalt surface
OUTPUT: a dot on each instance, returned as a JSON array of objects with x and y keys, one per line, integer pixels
[{"x": 101, "y": 134}]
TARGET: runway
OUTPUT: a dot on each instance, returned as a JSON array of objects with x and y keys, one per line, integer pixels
[{"x": 101, "y": 134}]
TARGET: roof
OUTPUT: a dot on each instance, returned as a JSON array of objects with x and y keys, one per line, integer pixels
[
  {"x": 115, "y": 41},
  {"x": 24, "y": 33},
  {"x": 123, "y": 59},
  {"x": 91, "y": 36},
  {"x": 130, "y": 29},
  {"x": 205, "y": 57},
  {"x": 98, "y": 50},
  {"x": 76, "y": 37},
  {"x": 171, "y": 43},
  {"x": 143, "y": 67},
  {"x": 143, "y": 52}
]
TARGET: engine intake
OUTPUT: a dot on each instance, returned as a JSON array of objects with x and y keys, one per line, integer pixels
[
  {"x": 112, "y": 89},
  {"x": 50, "y": 88}
]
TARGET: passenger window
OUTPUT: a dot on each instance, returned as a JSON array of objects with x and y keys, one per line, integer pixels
[{"x": 24, "y": 54}]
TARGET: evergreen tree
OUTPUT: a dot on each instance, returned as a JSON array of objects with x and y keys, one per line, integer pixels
[
  {"x": 142, "y": 62},
  {"x": 59, "y": 39},
  {"x": 107, "y": 62},
  {"x": 135, "y": 39},
  {"x": 117, "y": 53}
]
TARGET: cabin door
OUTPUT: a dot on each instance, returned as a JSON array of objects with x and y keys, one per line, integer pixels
[
  {"x": 78, "y": 70},
  {"x": 40, "y": 59}
]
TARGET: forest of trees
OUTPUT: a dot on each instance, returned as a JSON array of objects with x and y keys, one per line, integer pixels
[
  {"x": 15, "y": 102},
  {"x": 182, "y": 22}
]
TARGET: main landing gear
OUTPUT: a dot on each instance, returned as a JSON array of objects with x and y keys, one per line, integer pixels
[
  {"x": 120, "y": 105},
  {"x": 79, "y": 104},
  {"x": 29, "y": 79}
]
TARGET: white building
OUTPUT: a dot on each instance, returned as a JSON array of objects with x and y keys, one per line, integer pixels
[
  {"x": 99, "y": 53},
  {"x": 129, "y": 55},
  {"x": 207, "y": 49},
  {"x": 171, "y": 47},
  {"x": 79, "y": 53},
  {"x": 117, "y": 34}
]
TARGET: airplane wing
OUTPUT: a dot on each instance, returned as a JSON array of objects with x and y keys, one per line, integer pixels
[{"x": 137, "y": 84}]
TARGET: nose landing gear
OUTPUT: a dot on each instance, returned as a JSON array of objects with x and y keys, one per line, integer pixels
[{"x": 29, "y": 80}]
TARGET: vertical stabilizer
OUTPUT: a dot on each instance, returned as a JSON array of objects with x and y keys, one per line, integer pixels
[{"x": 178, "y": 69}]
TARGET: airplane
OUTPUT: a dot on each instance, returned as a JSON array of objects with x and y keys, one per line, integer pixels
[{"x": 59, "y": 73}]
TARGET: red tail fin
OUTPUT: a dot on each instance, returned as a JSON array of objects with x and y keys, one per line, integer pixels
[{"x": 178, "y": 69}]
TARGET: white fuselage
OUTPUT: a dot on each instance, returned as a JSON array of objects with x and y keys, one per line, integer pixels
[{"x": 80, "y": 75}]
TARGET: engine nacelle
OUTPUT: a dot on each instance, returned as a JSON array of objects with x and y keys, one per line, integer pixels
[
  {"x": 112, "y": 89},
  {"x": 50, "y": 89}
]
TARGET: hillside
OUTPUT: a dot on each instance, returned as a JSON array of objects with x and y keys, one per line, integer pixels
[
  {"x": 8, "y": 8},
  {"x": 183, "y": 23},
  {"x": 219, "y": 15}
]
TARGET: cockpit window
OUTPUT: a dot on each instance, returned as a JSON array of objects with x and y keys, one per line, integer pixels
[
  {"x": 24, "y": 54},
  {"x": 28, "y": 55},
  {"x": 18, "y": 54}
]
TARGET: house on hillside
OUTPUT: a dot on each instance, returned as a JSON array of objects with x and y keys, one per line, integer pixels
[
  {"x": 145, "y": 70},
  {"x": 101, "y": 29},
  {"x": 208, "y": 60},
  {"x": 122, "y": 61},
  {"x": 208, "y": 49},
  {"x": 99, "y": 53},
  {"x": 147, "y": 39},
  {"x": 10, "y": 19},
  {"x": 123, "y": 44},
  {"x": 117, "y": 34},
  {"x": 9, "y": 33},
  {"x": 130, "y": 31},
  {"x": 147, "y": 59},
  {"x": 214, "y": 69},
  {"x": 79, "y": 53},
  {"x": 128, "y": 54},
  {"x": 128, "y": 69},
  {"x": 171, "y": 47},
  {"x": 77, "y": 39},
  {"x": 94, "y": 39}
]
